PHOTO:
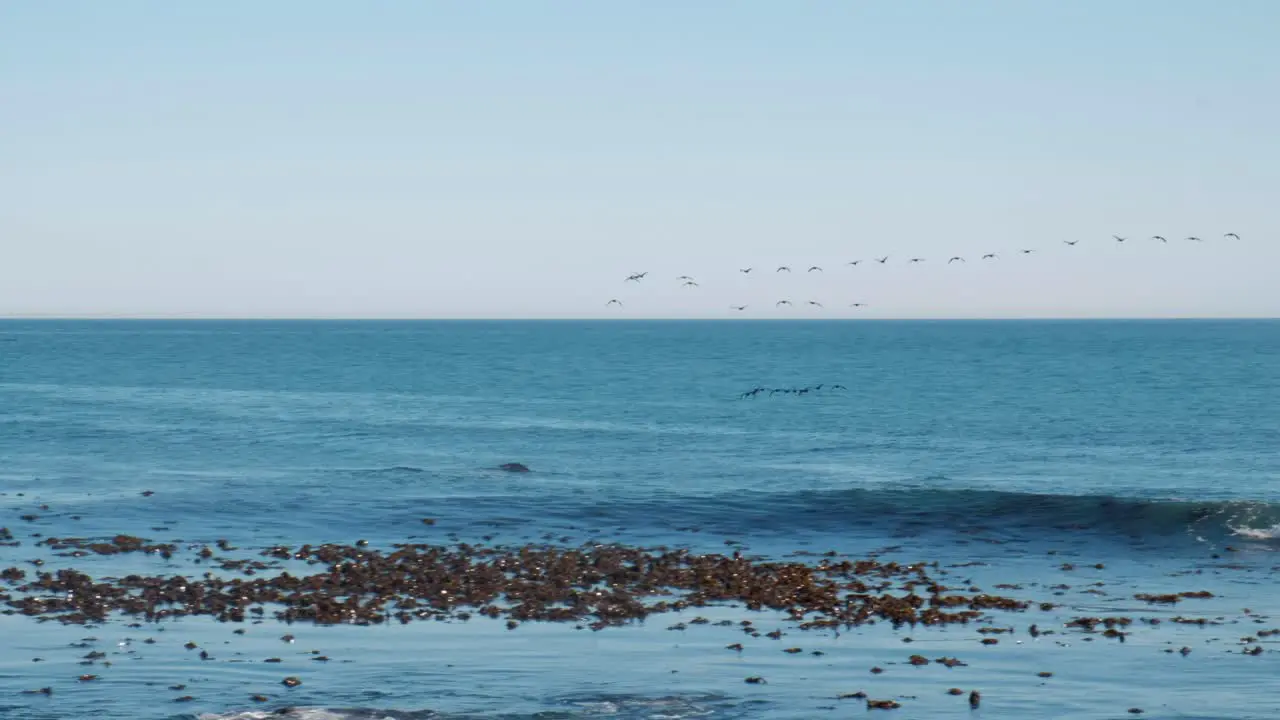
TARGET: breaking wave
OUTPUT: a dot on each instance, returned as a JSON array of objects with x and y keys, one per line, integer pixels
[{"x": 991, "y": 510}]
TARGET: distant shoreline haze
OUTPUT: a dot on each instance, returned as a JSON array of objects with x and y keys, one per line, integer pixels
[{"x": 497, "y": 319}]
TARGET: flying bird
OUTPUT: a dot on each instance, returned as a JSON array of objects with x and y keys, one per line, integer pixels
[
  {"x": 1027, "y": 252},
  {"x": 916, "y": 260},
  {"x": 690, "y": 283},
  {"x": 744, "y": 271},
  {"x": 684, "y": 277},
  {"x": 955, "y": 259},
  {"x": 636, "y": 277},
  {"x": 781, "y": 303},
  {"x": 614, "y": 302},
  {"x": 814, "y": 267},
  {"x": 1193, "y": 238},
  {"x": 1072, "y": 243},
  {"x": 1119, "y": 239},
  {"x": 783, "y": 268},
  {"x": 857, "y": 304},
  {"x": 815, "y": 303},
  {"x": 738, "y": 307},
  {"x": 883, "y": 260},
  {"x": 1159, "y": 237},
  {"x": 855, "y": 262},
  {"x": 1231, "y": 235},
  {"x": 989, "y": 256}
]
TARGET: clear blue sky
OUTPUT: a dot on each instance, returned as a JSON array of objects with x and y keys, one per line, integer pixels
[{"x": 519, "y": 159}]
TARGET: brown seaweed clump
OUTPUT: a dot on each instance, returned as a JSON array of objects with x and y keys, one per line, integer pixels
[{"x": 597, "y": 585}]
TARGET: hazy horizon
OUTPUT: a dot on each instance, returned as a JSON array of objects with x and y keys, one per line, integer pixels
[
  {"x": 518, "y": 161},
  {"x": 593, "y": 319}
]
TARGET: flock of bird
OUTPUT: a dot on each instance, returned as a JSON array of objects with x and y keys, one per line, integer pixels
[
  {"x": 789, "y": 391},
  {"x": 690, "y": 282}
]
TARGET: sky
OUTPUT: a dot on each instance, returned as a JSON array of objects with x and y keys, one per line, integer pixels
[{"x": 407, "y": 158}]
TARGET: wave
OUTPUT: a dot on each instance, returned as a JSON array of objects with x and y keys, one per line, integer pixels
[
  {"x": 324, "y": 714},
  {"x": 395, "y": 470},
  {"x": 613, "y": 706},
  {"x": 1017, "y": 513},
  {"x": 1268, "y": 533}
]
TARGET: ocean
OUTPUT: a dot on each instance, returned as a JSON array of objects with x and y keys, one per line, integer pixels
[{"x": 1074, "y": 462}]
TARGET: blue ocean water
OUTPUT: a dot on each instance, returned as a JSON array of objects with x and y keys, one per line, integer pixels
[{"x": 1151, "y": 448}]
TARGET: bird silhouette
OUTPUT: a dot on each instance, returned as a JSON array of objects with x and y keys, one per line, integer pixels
[
  {"x": 1027, "y": 252},
  {"x": 815, "y": 303},
  {"x": 684, "y": 277},
  {"x": 690, "y": 283},
  {"x": 1072, "y": 243},
  {"x": 857, "y": 304},
  {"x": 738, "y": 307},
  {"x": 1193, "y": 238},
  {"x": 744, "y": 271},
  {"x": 615, "y": 301},
  {"x": 814, "y": 267},
  {"x": 1119, "y": 239},
  {"x": 783, "y": 268},
  {"x": 882, "y": 260},
  {"x": 636, "y": 277},
  {"x": 1231, "y": 235},
  {"x": 990, "y": 256},
  {"x": 916, "y": 260},
  {"x": 781, "y": 303},
  {"x": 955, "y": 259},
  {"x": 1159, "y": 237},
  {"x": 855, "y": 262}
]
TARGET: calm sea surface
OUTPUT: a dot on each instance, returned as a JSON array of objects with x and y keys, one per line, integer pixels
[{"x": 1150, "y": 448}]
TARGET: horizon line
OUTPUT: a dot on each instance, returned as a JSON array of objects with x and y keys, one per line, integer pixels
[{"x": 375, "y": 318}]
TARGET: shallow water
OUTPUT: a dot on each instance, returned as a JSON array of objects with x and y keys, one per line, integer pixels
[{"x": 1149, "y": 447}]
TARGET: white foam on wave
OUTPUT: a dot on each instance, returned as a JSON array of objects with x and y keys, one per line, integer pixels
[
  {"x": 298, "y": 714},
  {"x": 306, "y": 714},
  {"x": 666, "y": 708},
  {"x": 291, "y": 714},
  {"x": 1271, "y": 533}
]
